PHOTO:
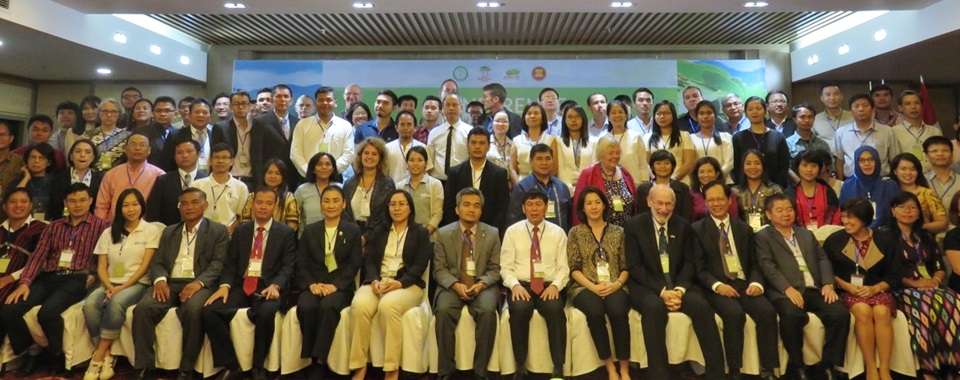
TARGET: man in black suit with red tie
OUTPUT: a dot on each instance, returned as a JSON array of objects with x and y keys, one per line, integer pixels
[
  {"x": 482, "y": 174},
  {"x": 660, "y": 249},
  {"x": 271, "y": 134},
  {"x": 256, "y": 270},
  {"x": 727, "y": 266}
]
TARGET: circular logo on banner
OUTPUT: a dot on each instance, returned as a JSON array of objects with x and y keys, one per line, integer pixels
[
  {"x": 539, "y": 73},
  {"x": 460, "y": 73}
]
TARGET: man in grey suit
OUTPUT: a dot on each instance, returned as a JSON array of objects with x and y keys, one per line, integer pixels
[
  {"x": 184, "y": 270},
  {"x": 466, "y": 266},
  {"x": 800, "y": 280}
]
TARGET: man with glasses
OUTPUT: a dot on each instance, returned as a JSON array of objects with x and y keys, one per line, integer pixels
[
  {"x": 550, "y": 101},
  {"x": 183, "y": 112},
  {"x": 238, "y": 136},
  {"x": 943, "y": 180},
  {"x": 778, "y": 107},
  {"x": 305, "y": 106},
  {"x": 164, "y": 108},
  {"x": 351, "y": 94},
  {"x": 733, "y": 109}
]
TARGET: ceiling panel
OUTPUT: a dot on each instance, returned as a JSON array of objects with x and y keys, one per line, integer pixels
[{"x": 500, "y": 28}]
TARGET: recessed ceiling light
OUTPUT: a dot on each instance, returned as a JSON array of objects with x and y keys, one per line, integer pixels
[
  {"x": 120, "y": 37},
  {"x": 155, "y": 49},
  {"x": 104, "y": 71},
  {"x": 184, "y": 60},
  {"x": 880, "y": 35},
  {"x": 359, "y": 5},
  {"x": 844, "y": 49},
  {"x": 234, "y": 5},
  {"x": 1, "y": 43},
  {"x": 755, "y": 4},
  {"x": 489, "y": 4},
  {"x": 621, "y": 4}
]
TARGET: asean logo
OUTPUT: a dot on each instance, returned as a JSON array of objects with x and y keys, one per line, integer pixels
[
  {"x": 539, "y": 73},
  {"x": 460, "y": 73}
]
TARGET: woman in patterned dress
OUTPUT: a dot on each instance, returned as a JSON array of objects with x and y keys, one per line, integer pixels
[
  {"x": 613, "y": 180},
  {"x": 110, "y": 139},
  {"x": 289, "y": 213}
]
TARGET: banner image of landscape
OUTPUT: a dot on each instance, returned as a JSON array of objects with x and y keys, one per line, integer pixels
[{"x": 573, "y": 79}]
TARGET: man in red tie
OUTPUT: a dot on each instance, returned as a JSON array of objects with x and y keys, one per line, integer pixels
[
  {"x": 533, "y": 264},
  {"x": 257, "y": 266}
]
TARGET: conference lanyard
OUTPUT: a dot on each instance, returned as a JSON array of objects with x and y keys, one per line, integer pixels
[
  {"x": 933, "y": 183},
  {"x": 917, "y": 136},
  {"x": 863, "y": 140}
]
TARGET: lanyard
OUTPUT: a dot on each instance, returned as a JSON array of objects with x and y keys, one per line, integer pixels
[
  {"x": 760, "y": 141},
  {"x": 322, "y": 129},
  {"x": 189, "y": 240},
  {"x": 830, "y": 120},
  {"x": 693, "y": 127},
  {"x": 72, "y": 232},
  {"x": 540, "y": 137},
  {"x": 863, "y": 141},
  {"x": 551, "y": 190},
  {"x": 754, "y": 197},
  {"x": 123, "y": 243},
  {"x": 933, "y": 183},
  {"x": 810, "y": 204},
  {"x": 643, "y": 128},
  {"x": 216, "y": 200},
  {"x": 535, "y": 243},
  {"x": 330, "y": 240},
  {"x": 134, "y": 181},
  {"x": 705, "y": 142},
  {"x": 396, "y": 247},
  {"x": 600, "y": 253},
  {"x": 908, "y": 128},
  {"x": 576, "y": 153}
]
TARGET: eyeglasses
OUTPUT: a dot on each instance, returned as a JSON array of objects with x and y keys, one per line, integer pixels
[
  {"x": 109, "y": 112},
  {"x": 164, "y": 110},
  {"x": 907, "y": 208}
]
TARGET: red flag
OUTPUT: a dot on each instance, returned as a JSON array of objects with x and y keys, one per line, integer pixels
[{"x": 929, "y": 115}]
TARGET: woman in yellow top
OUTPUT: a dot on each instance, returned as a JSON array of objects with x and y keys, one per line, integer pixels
[
  {"x": 289, "y": 214},
  {"x": 906, "y": 170}
]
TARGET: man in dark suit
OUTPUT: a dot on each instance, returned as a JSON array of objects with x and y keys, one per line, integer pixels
[
  {"x": 238, "y": 131},
  {"x": 727, "y": 265},
  {"x": 270, "y": 137},
  {"x": 200, "y": 130},
  {"x": 800, "y": 280},
  {"x": 256, "y": 270},
  {"x": 165, "y": 196},
  {"x": 482, "y": 174},
  {"x": 164, "y": 108},
  {"x": 466, "y": 267},
  {"x": 185, "y": 267},
  {"x": 779, "y": 109},
  {"x": 661, "y": 247},
  {"x": 494, "y": 94}
]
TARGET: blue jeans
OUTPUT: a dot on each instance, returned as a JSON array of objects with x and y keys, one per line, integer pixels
[{"x": 104, "y": 320}]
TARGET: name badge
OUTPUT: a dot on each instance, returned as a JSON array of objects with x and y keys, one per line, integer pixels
[
  {"x": 324, "y": 146},
  {"x": 40, "y": 216},
  {"x": 186, "y": 268},
  {"x": 803, "y": 268},
  {"x": 118, "y": 269},
  {"x": 255, "y": 267},
  {"x": 603, "y": 272},
  {"x": 551, "y": 210},
  {"x": 66, "y": 257},
  {"x": 856, "y": 280},
  {"x": 665, "y": 263},
  {"x": 471, "y": 267},
  {"x": 4, "y": 264},
  {"x": 538, "y": 270},
  {"x": 733, "y": 263},
  {"x": 755, "y": 221},
  {"x": 364, "y": 211},
  {"x": 244, "y": 159},
  {"x": 812, "y": 226},
  {"x": 617, "y": 203},
  {"x": 393, "y": 266}
]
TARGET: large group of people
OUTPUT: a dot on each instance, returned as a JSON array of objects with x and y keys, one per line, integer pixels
[{"x": 247, "y": 204}]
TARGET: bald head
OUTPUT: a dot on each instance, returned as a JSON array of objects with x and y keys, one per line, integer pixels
[{"x": 661, "y": 200}]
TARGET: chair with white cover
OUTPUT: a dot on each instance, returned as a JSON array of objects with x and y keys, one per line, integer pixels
[
  {"x": 169, "y": 344},
  {"x": 539, "y": 360},
  {"x": 466, "y": 344},
  {"x": 77, "y": 347}
]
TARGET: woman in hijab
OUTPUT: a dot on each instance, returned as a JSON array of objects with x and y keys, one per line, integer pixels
[{"x": 867, "y": 184}]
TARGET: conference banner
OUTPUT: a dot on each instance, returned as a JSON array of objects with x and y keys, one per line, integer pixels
[{"x": 523, "y": 79}]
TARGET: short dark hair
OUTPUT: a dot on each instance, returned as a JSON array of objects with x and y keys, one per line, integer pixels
[
  {"x": 186, "y": 99},
  {"x": 390, "y": 94},
  {"x": 413, "y": 212},
  {"x": 755, "y": 99},
  {"x": 221, "y": 95},
  {"x": 496, "y": 90},
  {"x": 407, "y": 113},
  {"x": 478, "y": 131},
  {"x": 431, "y": 98},
  {"x": 535, "y": 193},
  {"x": 353, "y": 108},
  {"x": 799, "y": 107},
  {"x": 726, "y": 189},
  {"x": 813, "y": 156},
  {"x": 132, "y": 89},
  {"x": 281, "y": 86},
  {"x": 165, "y": 99},
  {"x": 266, "y": 189},
  {"x": 418, "y": 150},
  {"x": 590, "y": 103},
  {"x": 824, "y": 85},
  {"x": 663, "y": 155},
  {"x": 220, "y": 147},
  {"x": 860, "y": 96},
  {"x": 936, "y": 140},
  {"x": 909, "y": 93},
  {"x": 623, "y": 98},
  {"x": 768, "y": 203},
  {"x": 202, "y": 101},
  {"x": 77, "y": 187},
  {"x": 69, "y": 106},
  {"x": 695, "y": 184},
  {"x": 859, "y": 208},
  {"x": 9, "y": 193},
  {"x": 881, "y": 87},
  {"x": 240, "y": 93},
  {"x": 540, "y": 148},
  {"x": 543, "y": 117},
  {"x": 47, "y": 152},
  {"x": 583, "y": 198},
  {"x": 545, "y": 90},
  {"x": 475, "y": 104},
  {"x": 473, "y": 191},
  {"x": 901, "y": 198},
  {"x": 767, "y": 98},
  {"x": 195, "y": 143},
  {"x": 194, "y": 190},
  {"x": 264, "y": 89},
  {"x": 323, "y": 90},
  {"x": 407, "y": 97},
  {"x": 41, "y": 118},
  {"x": 653, "y": 97}
]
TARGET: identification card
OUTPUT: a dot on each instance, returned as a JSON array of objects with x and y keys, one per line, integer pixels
[
  {"x": 803, "y": 268},
  {"x": 186, "y": 268},
  {"x": 39, "y": 216},
  {"x": 4, "y": 264},
  {"x": 66, "y": 257},
  {"x": 733, "y": 263},
  {"x": 471, "y": 267},
  {"x": 538, "y": 270},
  {"x": 551, "y": 210},
  {"x": 364, "y": 211},
  {"x": 617, "y": 203},
  {"x": 118, "y": 269},
  {"x": 603, "y": 272},
  {"x": 244, "y": 159},
  {"x": 665, "y": 263},
  {"x": 256, "y": 266},
  {"x": 856, "y": 280},
  {"x": 920, "y": 268},
  {"x": 106, "y": 161},
  {"x": 755, "y": 221},
  {"x": 324, "y": 146},
  {"x": 812, "y": 226},
  {"x": 393, "y": 267}
]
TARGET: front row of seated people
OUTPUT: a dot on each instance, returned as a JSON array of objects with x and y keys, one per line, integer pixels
[{"x": 715, "y": 265}]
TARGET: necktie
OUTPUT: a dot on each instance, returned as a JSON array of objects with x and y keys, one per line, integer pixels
[
  {"x": 202, "y": 138},
  {"x": 536, "y": 283},
  {"x": 187, "y": 180},
  {"x": 467, "y": 250},
  {"x": 285, "y": 128},
  {"x": 250, "y": 282},
  {"x": 725, "y": 251},
  {"x": 446, "y": 160},
  {"x": 664, "y": 243}
]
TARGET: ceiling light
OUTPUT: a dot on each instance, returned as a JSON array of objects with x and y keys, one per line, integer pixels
[
  {"x": 813, "y": 59},
  {"x": 120, "y": 37},
  {"x": 844, "y": 49},
  {"x": 184, "y": 60},
  {"x": 155, "y": 49},
  {"x": 880, "y": 35},
  {"x": 619, "y": 4},
  {"x": 104, "y": 71},
  {"x": 1, "y": 43},
  {"x": 359, "y": 5},
  {"x": 755, "y": 4},
  {"x": 234, "y": 5},
  {"x": 489, "y": 4}
]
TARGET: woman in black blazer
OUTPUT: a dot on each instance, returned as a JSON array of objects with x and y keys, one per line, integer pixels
[
  {"x": 38, "y": 177},
  {"x": 367, "y": 192},
  {"x": 397, "y": 255},
  {"x": 81, "y": 159},
  {"x": 328, "y": 259}
]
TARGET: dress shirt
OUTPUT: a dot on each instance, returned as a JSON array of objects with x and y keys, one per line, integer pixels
[
  {"x": 733, "y": 248},
  {"x": 397, "y": 159},
  {"x": 393, "y": 250},
  {"x": 798, "y": 145},
  {"x": 476, "y": 174},
  {"x": 242, "y": 166},
  {"x": 61, "y": 235},
  {"x": 826, "y": 127},
  {"x": 126, "y": 257},
  {"x": 192, "y": 174},
  {"x": 911, "y": 139},
  {"x": 879, "y": 136},
  {"x": 226, "y": 200},
  {"x": 253, "y": 243},
  {"x": 637, "y": 124},
  {"x": 437, "y": 144},
  {"x": 554, "y": 126},
  {"x": 118, "y": 179},
  {"x": 204, "y": 143},
  {"x": 656, "y": 238},
  {"x": 6, "y": 226},
  {"x": 597, "y": 130},
  {"x": 801, "y": 262},
  {"x": 187, "y": 253},
  {"x": 311, "y": 132},
  {"x": 944, "y": 190},
  {"x": 427, "y": 200},
  {"x": 522, "y": 143},
  {"x": 515, "y": 254}
]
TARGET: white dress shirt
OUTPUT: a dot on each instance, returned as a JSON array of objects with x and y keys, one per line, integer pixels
[
  {"x": 226, "y": 200},
  {"x": 309, "y": 136},
  {"x": 515, "y": 254},
  {"x": 437, "y": 147},
  {"x": 733, "y": 248},
  {"x": 397, "y": 159}
]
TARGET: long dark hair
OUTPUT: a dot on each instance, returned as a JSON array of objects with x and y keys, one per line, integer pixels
[
  {"x": 909, "y": 157},
  {"x": 926, "y": 239},
  {"x": 695, "y": 184},
  {"x": 311, "y": 168},
  {"x": 583, "y": 197},
  {"x": 81, "y": 125},
  {"x": 543, "y": 117},
  {"x": 282, "y": 168},
  {"x": 565, "y": 130},
  {"x": 117, "y": 230},
  {"x": 764, "y": 177},
  {"x": 656, "y": 134},
  {"x": 413, "y": 211},
  {"x": 696, "y": 112}
]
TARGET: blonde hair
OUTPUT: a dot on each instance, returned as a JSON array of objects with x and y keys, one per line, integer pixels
[
  {"x": 603, "y": 144},
  {"x": 381, "y": 146}
]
